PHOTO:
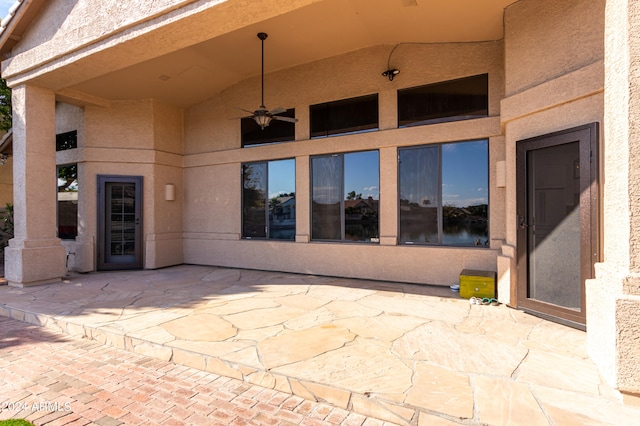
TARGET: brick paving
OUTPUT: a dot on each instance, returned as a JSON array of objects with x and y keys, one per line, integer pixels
[{"x": 53, "y": 379}]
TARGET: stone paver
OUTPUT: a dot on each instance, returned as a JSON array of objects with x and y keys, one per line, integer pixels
[
  {"x": 370, "y": 352},
  {"x": 53, "y": 379}
]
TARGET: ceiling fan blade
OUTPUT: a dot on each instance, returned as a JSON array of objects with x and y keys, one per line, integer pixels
[
  {"x": 281, "y": 118},
  {"x": 246, "y": 110},
  {"x": 278, "y": 110}
]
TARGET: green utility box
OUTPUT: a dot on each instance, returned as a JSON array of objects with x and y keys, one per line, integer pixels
[{"x": 477, "y": 284}]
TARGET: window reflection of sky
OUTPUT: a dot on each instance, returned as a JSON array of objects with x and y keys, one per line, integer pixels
[
  {"x": 465, "y": 173},
  {"x": 362, "y": 174},
  {"x": 282, "y": 177}
]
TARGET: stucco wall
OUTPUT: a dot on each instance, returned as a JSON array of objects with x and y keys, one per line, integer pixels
[
  {"x": 70, "y": 118},
  {"x": 147, "y": 136},
  {"x": 164, "y": 218},
  {"x": 63, "y": 21},
  {"x": 210, "y": 126},
  {"x": 545, "y": 39},
  {"x": 168, "y": 133},
  {"x": 213, "y": 163},
  {"x": 614, "y": 302},
  {"x": 554, "y": 74},
  {"x": 124, "y": 126}
]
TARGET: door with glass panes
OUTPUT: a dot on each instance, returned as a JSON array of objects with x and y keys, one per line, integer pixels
[{"x": 119, "y": 222}]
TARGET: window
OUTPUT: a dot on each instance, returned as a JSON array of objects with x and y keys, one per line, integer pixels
[
  {"x": 344, "y": 116},
  {"x": 452, "y": 100},
  {"x": 345, "y": 197},
  {"x": 269, "y": 200},
  {"x": 276, "y": 131},
  {"x": 67, "y": 140},
  {"x": 444, "y": 194},
  {"x": 68, "y": 201}
]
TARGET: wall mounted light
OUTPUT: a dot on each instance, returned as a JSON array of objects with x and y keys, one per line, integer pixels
[
  {"x": 391, "y": 73},
  {"x": 170, "y": 192}
]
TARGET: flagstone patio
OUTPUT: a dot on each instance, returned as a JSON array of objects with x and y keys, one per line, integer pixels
[{"x": 407, "y": 354}]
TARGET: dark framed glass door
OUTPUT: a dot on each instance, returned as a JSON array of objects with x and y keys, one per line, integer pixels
[
  {"x": 557, "y": 222},
  {"x": 119, "y": 222}
]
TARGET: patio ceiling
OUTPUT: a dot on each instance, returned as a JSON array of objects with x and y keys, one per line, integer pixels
[{"x": 324, "y": 29}]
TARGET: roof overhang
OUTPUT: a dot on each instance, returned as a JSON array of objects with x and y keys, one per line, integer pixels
[
  {"x": 221, "y": 47},
  {"x": 16, "y": 23}
]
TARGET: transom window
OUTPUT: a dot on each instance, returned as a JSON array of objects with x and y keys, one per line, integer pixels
[
  {"x": 344, "y": 116},
  {"x": 269, "y": 200},
  {"x": 460, "y": 99},
  {"x": 444, "y": 195},
  {"x": 345, "y": 197},
  {"x": 68, "y": 140},
  {"x": 276, "y": 131}
]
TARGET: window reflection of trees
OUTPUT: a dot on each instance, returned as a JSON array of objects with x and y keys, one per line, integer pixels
[
  {"x": 267, "y": 215},
  {"x": 67, "y": 201},
  {"x": 253, "y": 201},
  {"x": 444, "y": 194},
  {"x": 339, "y": 210}
]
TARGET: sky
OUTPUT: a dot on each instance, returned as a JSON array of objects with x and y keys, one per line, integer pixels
[
  {"x": 465, "y": 176},
  {"x": 4, "y": 7}
]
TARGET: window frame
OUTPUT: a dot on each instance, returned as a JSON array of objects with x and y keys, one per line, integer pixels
[
  {"x": 291, "y": 113},
  {"x": 343, "y": 238},
  {"x": 66, "y": 137},
  {"x": 445, "y": 118},
  {"x": 340, "y": 132},
  {"x": 441, "y": 204}
]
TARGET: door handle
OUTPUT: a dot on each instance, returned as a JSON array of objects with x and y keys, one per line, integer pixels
[
  {"x": 137, "y": 221},
  {"x": 522, "y": 224}
]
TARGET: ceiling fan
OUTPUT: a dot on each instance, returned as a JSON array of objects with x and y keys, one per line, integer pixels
[{"x": 262, "y": 116}]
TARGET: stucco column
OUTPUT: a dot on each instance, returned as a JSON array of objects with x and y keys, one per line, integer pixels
[
  {"x": 389, "y": 196},
  {"x": 303, "y": 195},
  {"x": 35, "y": 255},
  {"x": 613, "y": 297}
]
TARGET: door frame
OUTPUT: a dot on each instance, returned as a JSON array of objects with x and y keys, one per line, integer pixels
[
  {"x": 587, "y": 136},
  {"x": 101, "y": 249}
]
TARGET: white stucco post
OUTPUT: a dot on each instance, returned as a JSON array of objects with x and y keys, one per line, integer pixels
[
  {"x": 35, "y": 255},
  {"x": 613, "y": 297}
]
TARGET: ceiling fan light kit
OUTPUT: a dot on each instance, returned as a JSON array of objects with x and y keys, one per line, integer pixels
[{"x": 262, "y": 116}]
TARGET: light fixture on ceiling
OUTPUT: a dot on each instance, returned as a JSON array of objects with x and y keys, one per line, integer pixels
[
  {"x": 262, "y": 116},
  {"x": 391, "y": 73}
]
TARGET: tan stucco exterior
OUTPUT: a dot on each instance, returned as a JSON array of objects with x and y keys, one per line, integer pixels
[
  {"x": 614, "y": 304},
  {"x": 546, "y": 92},
  {"x": 154, "y": 90},
  {"x": 213, "y": 158}
]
